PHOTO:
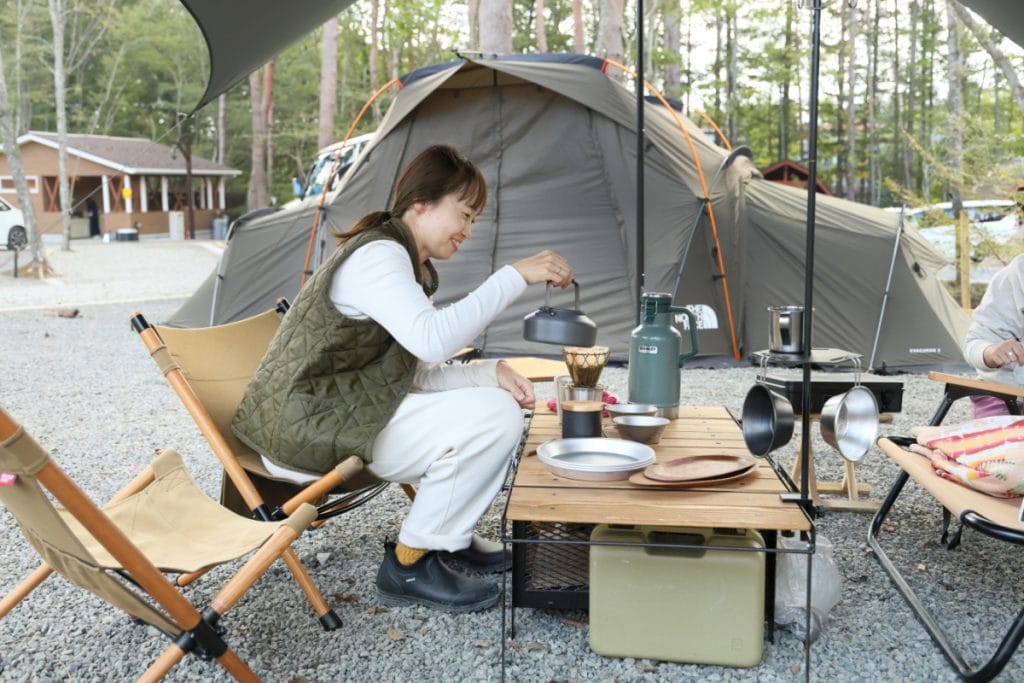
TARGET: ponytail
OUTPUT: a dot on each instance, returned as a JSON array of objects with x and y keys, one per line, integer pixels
[{"x": 374, "y": 219}]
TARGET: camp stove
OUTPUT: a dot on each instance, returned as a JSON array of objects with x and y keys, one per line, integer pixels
[{"x": 654, "y": 354}]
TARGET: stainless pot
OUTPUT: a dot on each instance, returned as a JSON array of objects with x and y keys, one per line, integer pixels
[
  {"x": 561, "y": 326},
  {"x": 849, "y": 422},
  {"x": 786, "y": 329},
  {"x": 767, "y": 420}
]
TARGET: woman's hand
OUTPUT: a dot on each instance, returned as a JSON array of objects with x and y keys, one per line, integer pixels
[
  {"x": 1008, "y": 352},
  {"x": 517, "y": 385},
  {"x": 547, "y": 266}
]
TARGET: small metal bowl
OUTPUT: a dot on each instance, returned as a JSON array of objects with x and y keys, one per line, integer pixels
[
  {"x": 641, "y": 428},
  {"x": 849, "y": 422},
  {"x": 624, "y": 409}
]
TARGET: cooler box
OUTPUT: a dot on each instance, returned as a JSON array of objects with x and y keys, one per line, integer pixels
[{"x": 674, "y": 604}]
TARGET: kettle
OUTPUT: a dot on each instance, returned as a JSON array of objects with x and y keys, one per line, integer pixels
[
  {"x": 561, "y": 326},
  {"x": 654, "y": 354}
]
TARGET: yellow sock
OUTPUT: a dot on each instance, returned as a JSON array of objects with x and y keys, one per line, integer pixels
[{"x": 407, "y": 556}]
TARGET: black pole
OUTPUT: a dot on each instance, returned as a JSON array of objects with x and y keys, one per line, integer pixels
[
  {"x": 812, "y": 181},
  {"x": 639, "y": 155}
]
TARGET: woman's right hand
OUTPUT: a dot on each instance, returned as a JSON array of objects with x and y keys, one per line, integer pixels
[
  {"x": 1008, "y": 352},
  {"x": 547, "y": 266}
]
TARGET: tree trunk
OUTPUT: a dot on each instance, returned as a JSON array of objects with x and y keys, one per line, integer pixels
[
  {"x": 473, "y": 15},
  {"x": 542, "y": 38},
  {"x": 268, "y": 119},
  {"x": 673, "y": 75},
  {"x": 955, "y": 151},
  {"x": 609, "y": 42},
  {"x": 732, "y": 69},
  {"x": 375, "y": 56},
  {"x": 851, "y": 109},
  {"x": 329, "y": 75},
  {"x": 9, "y": 140},
  {"x": 784, "y": 108},
  {"x": 992, "y": 48},
  {"x": 496, "y": 26},
  {"x": 58, "y": 16},
  {"x": 257, "y": 195},
  {"x": 911, "y": 107},
  {"x": 579, "y": 44},
  {"x": 222, "y": 128}
]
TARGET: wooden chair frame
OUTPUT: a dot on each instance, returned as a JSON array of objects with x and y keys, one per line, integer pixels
[
  {"x": 200, "y": 633},
  {"x": 974, "y": 509}
]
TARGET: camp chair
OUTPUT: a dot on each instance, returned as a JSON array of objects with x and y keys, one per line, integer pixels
[
  {"x": 209, "y": 369},
  {"x": 160, "y": 522},
  {"x": 995, "y": 517}
]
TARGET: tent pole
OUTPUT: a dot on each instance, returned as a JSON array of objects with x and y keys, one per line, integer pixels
[
  {"x": 639, "y": 155},
  {"x": 888, "y": 285},
  {"x": 812, "y": 181}
]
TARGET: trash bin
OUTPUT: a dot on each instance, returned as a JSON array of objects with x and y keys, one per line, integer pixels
[
  {"x": 176, "y": 225},
  {"x": 220, "y": 227}
]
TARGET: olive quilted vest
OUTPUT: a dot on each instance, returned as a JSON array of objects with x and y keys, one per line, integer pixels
[{"x": 328, "y": 383}]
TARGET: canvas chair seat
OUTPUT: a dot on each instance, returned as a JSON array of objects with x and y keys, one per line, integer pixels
[
  {"x": 161, "y": 521},
  {"x": 990, "y": 515}
]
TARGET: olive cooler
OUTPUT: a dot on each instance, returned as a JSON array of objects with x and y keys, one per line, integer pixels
[{"x": 696, "y": 605}]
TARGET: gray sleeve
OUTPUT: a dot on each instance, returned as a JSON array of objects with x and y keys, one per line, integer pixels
[{"x": 999, "y": 316}]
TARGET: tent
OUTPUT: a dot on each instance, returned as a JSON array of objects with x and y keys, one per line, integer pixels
[{"x": 555, "y": 137}]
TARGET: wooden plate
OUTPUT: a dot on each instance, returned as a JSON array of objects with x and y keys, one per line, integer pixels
[
  {"x": 640, "y": 479},
  {"x": 693, "y": 467}
]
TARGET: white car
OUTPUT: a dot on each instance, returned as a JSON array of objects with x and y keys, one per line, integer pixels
[
  {"x": 337, "y": 157},
  {"x": 992, "y": 219},
  {"x": 12, "y": 226}
]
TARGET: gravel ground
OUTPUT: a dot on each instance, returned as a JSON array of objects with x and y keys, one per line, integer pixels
[{"x": 85, "y": 388}]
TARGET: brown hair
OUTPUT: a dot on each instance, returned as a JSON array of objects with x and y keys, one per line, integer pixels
[{"x": 436, "y": 171}]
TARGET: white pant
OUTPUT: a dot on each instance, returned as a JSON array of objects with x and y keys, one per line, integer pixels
[{"x": 454, "y": 446}]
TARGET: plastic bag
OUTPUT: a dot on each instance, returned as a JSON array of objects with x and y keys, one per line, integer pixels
[{"x": 791, "y": 586}]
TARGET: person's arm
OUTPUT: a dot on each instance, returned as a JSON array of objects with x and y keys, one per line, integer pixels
[
  {"x": 993, "y": 339},
  {"x": 377, "y": 281}
]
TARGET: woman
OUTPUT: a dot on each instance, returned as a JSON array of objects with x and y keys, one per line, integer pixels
[
  {"x": 993, "y": 343},
  {"x": 357, "y": 368}
]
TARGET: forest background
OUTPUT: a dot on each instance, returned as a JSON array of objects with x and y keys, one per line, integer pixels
[{"x": 915, "y": 105}]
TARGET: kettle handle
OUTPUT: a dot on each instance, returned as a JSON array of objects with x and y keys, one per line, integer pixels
[
  {"x": 547, "y": 294},
  {"x": 692, "y": 327}
]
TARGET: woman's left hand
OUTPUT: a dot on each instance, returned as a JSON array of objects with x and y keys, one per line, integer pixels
[{"x": 517, "y": 385}]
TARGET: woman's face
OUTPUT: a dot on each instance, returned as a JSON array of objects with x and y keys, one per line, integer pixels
[{"x": 440, "y": 227}]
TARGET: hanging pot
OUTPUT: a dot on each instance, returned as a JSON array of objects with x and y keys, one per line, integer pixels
[
  {"x": 767, "y": 420},
  {"x": 849, "y": 422},
  {"x": 562, "y": 326}
]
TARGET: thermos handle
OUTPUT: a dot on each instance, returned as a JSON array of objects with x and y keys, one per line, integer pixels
[{"x": 693, "y": 331}]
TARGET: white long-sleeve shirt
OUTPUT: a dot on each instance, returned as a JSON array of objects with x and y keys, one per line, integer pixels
[
  {"x": 999, "y": 316},
  {"x": 377, "y": 281}
]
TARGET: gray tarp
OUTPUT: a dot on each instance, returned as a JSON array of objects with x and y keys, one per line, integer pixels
[{"x": 555, "y": 137}]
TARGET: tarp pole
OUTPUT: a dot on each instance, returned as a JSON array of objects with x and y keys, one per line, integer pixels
[
  {"x": 639, "y": 155},
  {"x": 222, "y": 263},
  {"x": 888, "y": 284}
]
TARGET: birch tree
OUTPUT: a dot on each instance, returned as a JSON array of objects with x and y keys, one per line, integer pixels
[
  {"x": 257, "y": 195},
  {"x": 12, "y": 153},
  {"x": 955, "y": 150},
  {"x": 539, "y": 29},
  {"x": 999, "y": 57},
  {"x": 609, "y": 41},
  {"x": 579, "y": 44},
  {"x": 329, "y": 78},
  {"x": 496, "y": 26},
  {"x": 58, "y": 15}
]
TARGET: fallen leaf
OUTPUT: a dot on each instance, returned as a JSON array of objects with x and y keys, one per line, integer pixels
[
  {"x": 484, "y": 644},
  {"x": 395, "y": 633},
  {"x": 377, "y": 609},
  {"x": 425, "y": 630},
  {"x": 514, "y": 646},
  {"x": 63, "y": 312},
  {"x": 646, "y": 667},
  {"x": 574, "y": 622},
  {"x": 342, "y": 597},
  {"x": 421, "y": 617},
  {"x": 534, "y": 646},
  {"x": 297, "y": 679}
]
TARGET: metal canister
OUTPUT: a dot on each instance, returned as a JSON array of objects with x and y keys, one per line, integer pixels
[
  {"x": 786, "y": 329},
  {"x": 654, "y": 354}
]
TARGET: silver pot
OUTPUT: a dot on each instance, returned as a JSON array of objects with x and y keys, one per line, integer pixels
[
  {"x": 767, "y": 420},
  {"x": 563, "y": 326},
  {"x": 786, "y": 329},
  {"x": 849, "y": 422}
]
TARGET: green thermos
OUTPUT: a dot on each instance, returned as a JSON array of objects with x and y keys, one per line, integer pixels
[{"x": 654, "y": 354}]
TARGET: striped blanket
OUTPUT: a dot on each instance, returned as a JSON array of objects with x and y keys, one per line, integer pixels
[{"x": 986, "y": 454}]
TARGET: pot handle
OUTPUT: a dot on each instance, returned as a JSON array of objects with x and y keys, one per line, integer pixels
[
  {"x": 692, "y": 327},
  {"x": 547, "y": 294}
]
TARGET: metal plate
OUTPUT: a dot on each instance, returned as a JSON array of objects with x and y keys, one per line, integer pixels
[{"x": 595, "y": 458}]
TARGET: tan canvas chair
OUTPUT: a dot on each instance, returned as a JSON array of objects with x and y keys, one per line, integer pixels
[
  {"x": 160, "y": 522},
  {"x": 209, "y": 369},
  {"x": 995, "y": 517}
]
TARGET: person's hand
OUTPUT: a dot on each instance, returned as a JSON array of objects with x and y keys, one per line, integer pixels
[
  {"x": 1008, "y": 352},
  {"x": 547, "y": 266},
  {"x": 517, "y": 385}
]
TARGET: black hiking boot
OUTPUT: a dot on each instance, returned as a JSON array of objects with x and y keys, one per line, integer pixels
[{"x": 482, "y": 555}]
